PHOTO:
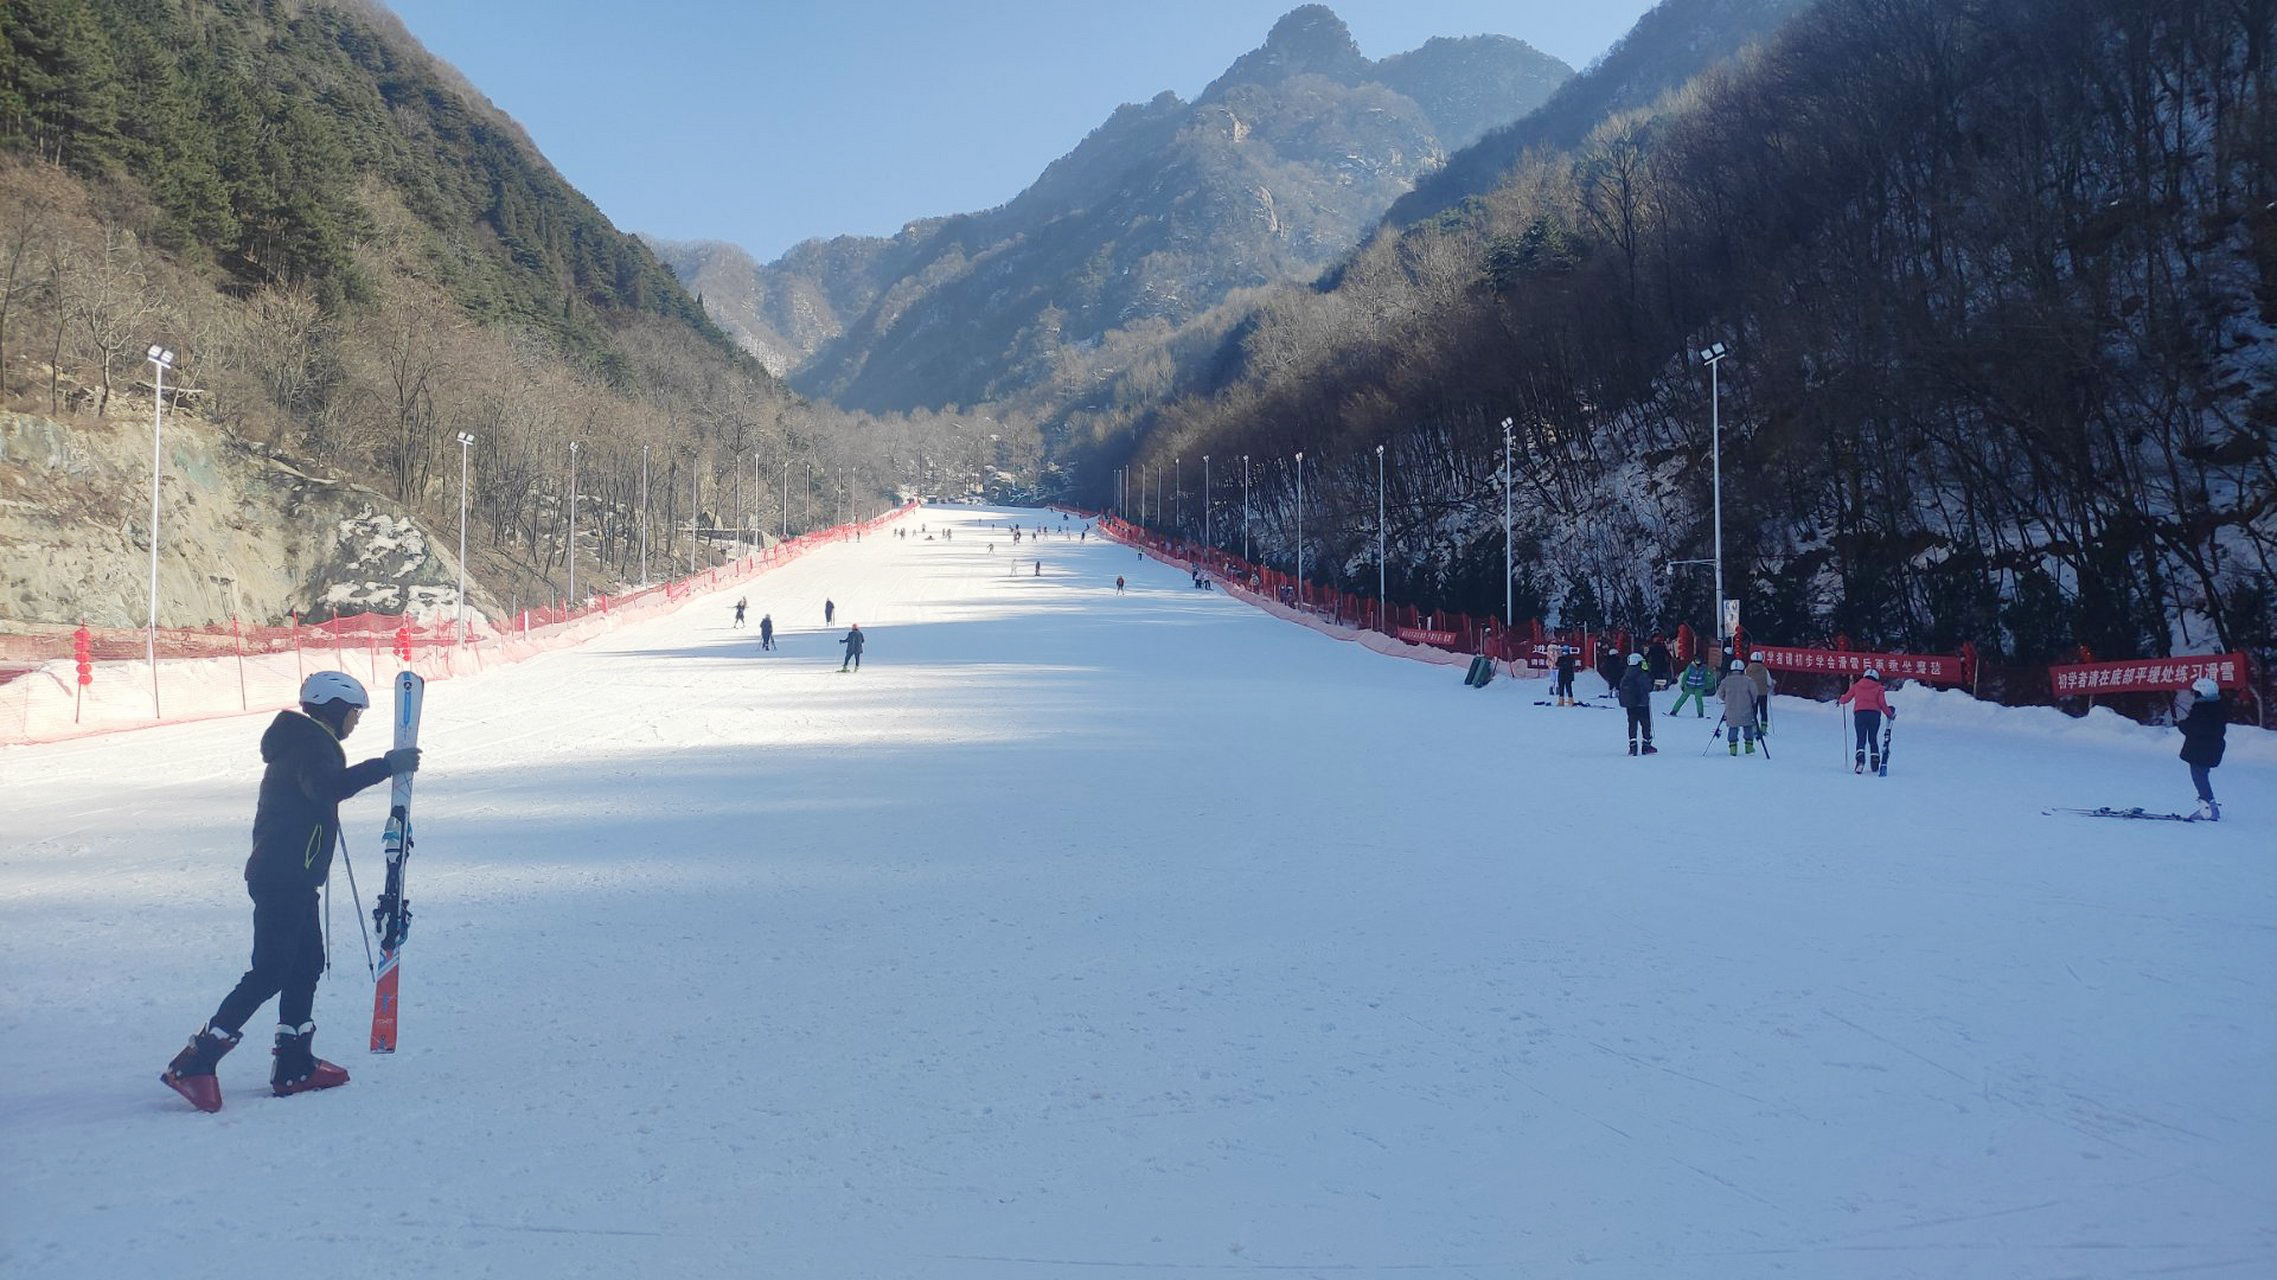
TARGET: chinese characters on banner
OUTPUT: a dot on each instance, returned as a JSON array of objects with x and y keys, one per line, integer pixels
[
  {"x": 1929, "y": 668},
  {"x": 2146, "y": 675}
]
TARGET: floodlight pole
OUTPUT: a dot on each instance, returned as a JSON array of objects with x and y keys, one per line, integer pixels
[
  {"x": 1509, "y": 557},
  {"x": 1713, "y": 357},
  {"x": 465, "y": 439},
  {"x": 1300, "y": 528},
  {"x": 1380, "y": 595},
  {"x": 161, "y": 360},
  {"x": 573, "y": 526}
]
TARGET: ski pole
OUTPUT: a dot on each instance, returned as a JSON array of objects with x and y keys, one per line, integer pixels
[
  {"x": 1713, "y": 734},
  {"x": 355, "y": 897}
]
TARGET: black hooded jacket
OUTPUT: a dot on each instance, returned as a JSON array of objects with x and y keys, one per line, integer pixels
[
  {"x": 297, "y": 822},
  {"x": 2202, "y": 731}
]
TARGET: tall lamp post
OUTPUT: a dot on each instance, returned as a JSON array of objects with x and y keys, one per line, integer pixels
[
  {"x": 161, "y": 360},
  {"x": 1178, "y": 494},
  {"x": 1713, "y": 356},
  {"x": 1300, "y": 527},
  {"x": 1206, "y": 501},
  {"x": 644, "y": 515},
  {"x": 1509, "y": 561},
  {"x": 466, "y": 438},
  {"x": 572, "y": 604},
  {"x": 786, "y": 497},
  {"x": 1380, "y": 594},
  {"x": 1245, "y": 506}
]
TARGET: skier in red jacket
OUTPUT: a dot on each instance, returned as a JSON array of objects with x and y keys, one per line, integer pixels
[{"x": 1869, "y": 702}]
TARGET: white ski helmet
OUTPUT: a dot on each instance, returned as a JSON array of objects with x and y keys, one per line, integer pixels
[
  {"x": 1738, "y": 665},
  {"x": 333, "y": 686},
  {"x": 2205, "y": 687},
  {"x": 1636, "y": 659},
  {"x": 1873, "y": 673},
  {"x": 1756, "y": 656}
]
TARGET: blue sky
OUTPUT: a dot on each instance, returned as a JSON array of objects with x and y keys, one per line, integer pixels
[{"x": 767, "y": 122}]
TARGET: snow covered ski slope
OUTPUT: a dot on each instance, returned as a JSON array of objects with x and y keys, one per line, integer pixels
[{"x": 1082, "y": 933}]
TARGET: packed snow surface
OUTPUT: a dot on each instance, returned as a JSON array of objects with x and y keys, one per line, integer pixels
[{"x": 1083, "y": 932}]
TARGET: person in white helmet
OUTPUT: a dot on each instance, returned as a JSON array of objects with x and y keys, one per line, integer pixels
[
  {"x": 1737, "y": 693},
  {"x": 296, "y": 825},
  {"x": 1759, "y": 675},
  {"x": 1635, "y": 690},
  {"x": 2204, "y": 728}
]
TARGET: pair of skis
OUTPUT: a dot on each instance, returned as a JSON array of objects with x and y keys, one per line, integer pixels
[
  {"x": 2139, "y": 815},
  {"x": 391, "y": 916}
]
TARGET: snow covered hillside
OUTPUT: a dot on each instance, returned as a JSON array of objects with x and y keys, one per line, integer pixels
[{"x": 1084, "y": 931}]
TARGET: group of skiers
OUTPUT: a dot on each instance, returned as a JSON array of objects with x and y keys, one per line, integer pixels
[{"x": 1744, "y": 695}]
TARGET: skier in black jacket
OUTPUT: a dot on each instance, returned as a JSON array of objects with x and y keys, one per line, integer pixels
[
  {"x": 296, "y": 825},
  {"x": 2203, "y": 732},
  {"x": 1636, "y": 698},
  {"x": 1569, "y": 662},
  {"x": 853, "y": 643}
]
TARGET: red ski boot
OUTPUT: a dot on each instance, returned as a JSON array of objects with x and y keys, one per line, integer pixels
[
  {"x": 191, "y": 1072},
  {"x": 297, "y": 1070}
]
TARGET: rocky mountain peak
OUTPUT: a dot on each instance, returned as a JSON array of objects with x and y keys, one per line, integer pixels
[{"x": 1309, "y": 39}]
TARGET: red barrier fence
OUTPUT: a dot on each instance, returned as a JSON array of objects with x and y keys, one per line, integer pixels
[
  {"x": 1537, "y": 645},
  {"x": 58, "y": 682}
]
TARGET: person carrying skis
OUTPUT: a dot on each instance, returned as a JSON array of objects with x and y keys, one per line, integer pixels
[
  {"x": 1568, "y": 666},
  {"x": 1868, "y": 703},
  {"x": 853, "y": 643},
  {"x": 1760, "y": 675},
  {"x": 1738, "y": 695},
  {"x": 2204, "y": 729},
  {"x": 766, "y": 631},
  {"x": 1694, "y": 685},
  {"x": 296, "y": 825},
  {"x": 1635, "y": 692},
  {"x": 739, "y": 611}
]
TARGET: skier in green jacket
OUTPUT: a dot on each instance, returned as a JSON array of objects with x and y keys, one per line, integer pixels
[{"x": 1695, "y": 684}]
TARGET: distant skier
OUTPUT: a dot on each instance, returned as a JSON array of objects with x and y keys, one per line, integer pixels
[
  {"x": 1738, "y": 695},
  {"x": 1568, "y": 664},
  {"x": 1694, "y": 685},
  {"x": 1609, "y": 666},
  {"x": 1658, "y": 664},
  {"x": 1118, "y": 584},
  {"x": 1868, "y": 703},
  {"x": 829, "y": 611},
  {"x": 766, "y": 631},
  {"x": 1636, "y": 698},
  {"x": 1760, "y": 675},
  {"x": 739, "y": 603},
  {"x": 2204, "y": 728},
  {"x": 1039, "y": 569},
  {"x": 853, "y": 643},
  {"x": 296, "y": 825}
]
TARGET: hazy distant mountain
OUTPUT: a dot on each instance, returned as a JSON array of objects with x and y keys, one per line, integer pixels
[{"x": 1274, "y": 170}]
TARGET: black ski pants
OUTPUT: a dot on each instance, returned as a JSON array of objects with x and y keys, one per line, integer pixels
[
  {"x": 1640, "y": 722},
  {"x": 288, "y": 958},
  {"x": 1869, "y": 735}
]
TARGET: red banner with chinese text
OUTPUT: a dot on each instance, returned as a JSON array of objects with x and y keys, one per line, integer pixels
[
  {"x": 1929, "y": 668},
  {"x": 2147, "y": 675}
]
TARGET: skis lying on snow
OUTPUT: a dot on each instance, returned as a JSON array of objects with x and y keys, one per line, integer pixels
[
  {"x": 392, "y": 915},
  {"x": 2141, "y": 815},
  {"x": 1593, "y": 706}
]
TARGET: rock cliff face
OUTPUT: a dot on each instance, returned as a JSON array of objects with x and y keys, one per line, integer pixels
[
  {"x": 1274, "y": 170},
  {"x": 243, "y": 531}
]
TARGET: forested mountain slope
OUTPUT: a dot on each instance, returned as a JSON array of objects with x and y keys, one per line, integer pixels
[{"x": 1998, "y": 280}]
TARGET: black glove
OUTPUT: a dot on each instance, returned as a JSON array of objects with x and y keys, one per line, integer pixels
[{"x": 402, "y": 760}]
